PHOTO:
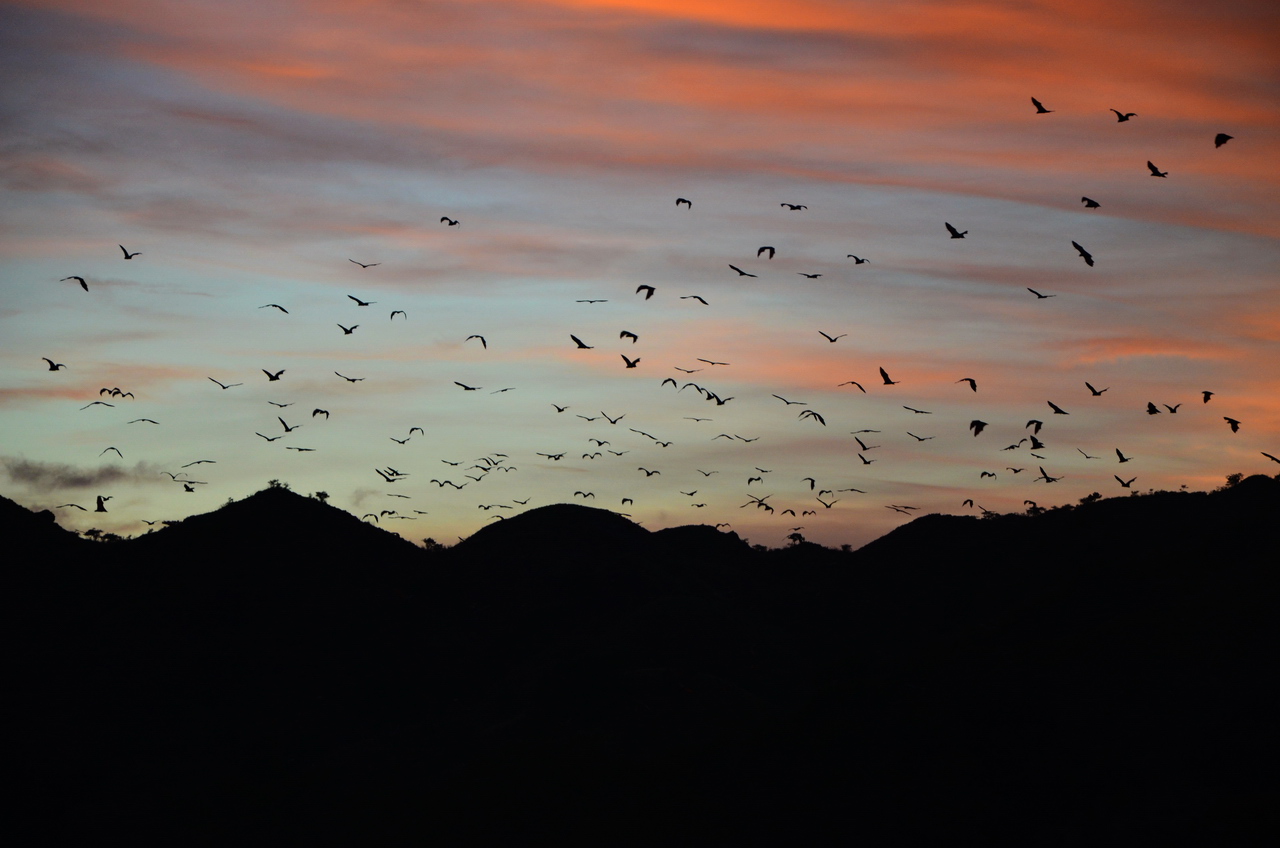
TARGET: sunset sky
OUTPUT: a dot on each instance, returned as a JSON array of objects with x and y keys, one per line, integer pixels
[{"x": 250, "y": 150}]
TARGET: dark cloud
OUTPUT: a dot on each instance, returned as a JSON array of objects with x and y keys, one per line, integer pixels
[
  {"x": 53, "y": 476},
  {"x": 361, "y": 495}
]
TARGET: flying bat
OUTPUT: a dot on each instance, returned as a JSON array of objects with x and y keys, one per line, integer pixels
[{"x": 1084, "y": 254}]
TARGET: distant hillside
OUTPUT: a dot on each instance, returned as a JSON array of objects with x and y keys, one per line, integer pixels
[
  {"x": 280, "y": 667},
  {"x": 1157, "y": 530},
  {"x": 40, "y": 528},
  {"x": 278, "y": 522},
  {"x": 274, "y": 531},
  {"x": 568, "y": 535},
  {"x": 36, "y": 542}
]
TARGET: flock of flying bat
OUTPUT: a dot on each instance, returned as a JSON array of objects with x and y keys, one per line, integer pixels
[{"x": 498, "y": 462}]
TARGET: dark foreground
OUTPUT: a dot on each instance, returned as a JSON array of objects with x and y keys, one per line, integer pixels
[{"x": 279, "y": 672}]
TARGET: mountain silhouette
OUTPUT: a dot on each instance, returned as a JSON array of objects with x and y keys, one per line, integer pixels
[
  {"x": 582, "y": 529},
  {"x": 279, "y": 667},
  {"x": 38, "y": 529},
  {"x": 273, "y": 536}
]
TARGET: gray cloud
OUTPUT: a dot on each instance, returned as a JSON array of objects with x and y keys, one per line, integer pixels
[
  {"x": 359, "y": 496},
  {"x": 53, "y": 476}
]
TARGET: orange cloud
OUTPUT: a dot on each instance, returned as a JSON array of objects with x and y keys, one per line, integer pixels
[
  {"x": 730, "y": 87},
  {"x": 290, "y": 70},
  {"x": 23, "y": 395},
  {"x": 1088, "y": 351}
]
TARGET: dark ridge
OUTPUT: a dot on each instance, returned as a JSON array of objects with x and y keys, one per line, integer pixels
[
  {"x": 273, "y": 540},
  {"x": 280, "y": 668},
  {"x": 34, "y": 528},
  {"x": 561, "y": 551},
  {"x": 925, "y": 536},
  {"x": 37, "y": 545},
  {"x": 277, "y": 513},
  {"x": 701, "y": 542},
  {"x": 559, "y": 530}
]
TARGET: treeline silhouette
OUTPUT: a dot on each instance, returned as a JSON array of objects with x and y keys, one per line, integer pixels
[{"x": 278, "y": 669}]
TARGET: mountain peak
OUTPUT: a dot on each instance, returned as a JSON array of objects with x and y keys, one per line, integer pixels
[
  {"x": 560, "y": 529},
  {"x": 279, "y": 530}
]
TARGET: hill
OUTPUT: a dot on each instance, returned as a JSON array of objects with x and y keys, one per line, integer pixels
[
  {"x": 272, "y": 535},
  {"x": 37, "y": 538},
  {"x": 280, "y": 668}
]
